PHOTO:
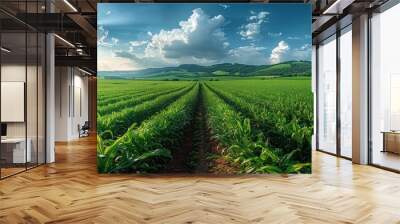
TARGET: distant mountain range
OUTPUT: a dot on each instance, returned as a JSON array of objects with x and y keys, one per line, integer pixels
[{"x": 192, "y": 71}]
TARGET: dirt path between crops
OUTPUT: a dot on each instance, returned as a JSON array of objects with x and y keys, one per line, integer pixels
[
  {"x": 182, "y": 157},
  {"x": 199, "y": 153},
  {"x": 202, "y": 147}
]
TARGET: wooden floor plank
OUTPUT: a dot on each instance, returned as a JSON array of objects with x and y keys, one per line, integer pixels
[{"x": 71, "y": 191}]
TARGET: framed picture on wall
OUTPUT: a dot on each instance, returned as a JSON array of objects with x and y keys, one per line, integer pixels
[{"x": 204, "y": 88}]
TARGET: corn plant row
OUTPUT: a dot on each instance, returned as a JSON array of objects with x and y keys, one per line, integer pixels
[
  {"x": 287, "y": 135},
  {"x": 132, "y": 101},
  {"x": 243, "y": 144},
  {"x": 123, "y": 108},
  {"x": 124, "y": 94},
  {"x": 104, "y": 101},
  {"x": 148, "y": 148},
  {"x": 298, "y": 121},
  {"x": 117, "y": 95},
  {"x": 107, "y": 87},
  {"x": 293, "y": 107},
  {"x": 293, "y": 98},
  {"x": 112, "y": 93},
  {"x": 116, "y": 124}
]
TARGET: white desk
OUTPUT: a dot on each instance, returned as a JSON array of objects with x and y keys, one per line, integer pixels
[{"x": 19, "y": 154}]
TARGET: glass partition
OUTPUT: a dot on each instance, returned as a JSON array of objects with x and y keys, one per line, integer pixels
[
  {"x": 327, "y": 95},
  {"x": 22, "y": 77},
  {"x": 14, "y": 145},
  {"x": 385, "y": 89}
]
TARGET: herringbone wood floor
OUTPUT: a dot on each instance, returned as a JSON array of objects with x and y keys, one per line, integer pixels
[{"x": 71, "y": 191}]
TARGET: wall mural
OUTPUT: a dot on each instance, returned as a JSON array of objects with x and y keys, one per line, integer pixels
[{"x": 204, "y": 88}]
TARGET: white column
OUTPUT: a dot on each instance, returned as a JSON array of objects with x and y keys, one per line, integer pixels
[
  {"x": 50, "y": 100},
  {"x": 360, "y": 90}
]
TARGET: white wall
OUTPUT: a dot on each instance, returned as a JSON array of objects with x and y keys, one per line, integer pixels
[
  {"x": 81, "y": 89},
  {"x": 70, "y": 84},
  {"x": 62, "y": 82}
]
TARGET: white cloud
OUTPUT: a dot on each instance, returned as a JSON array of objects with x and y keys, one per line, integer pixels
[
  {"x": 149, "y": 33},
  {"x": 108, "y": 62},
  {"x": 302, "y": 53},
  {"x": 305, "y": 47},
  {"x": 253, "y": 28},
  {"x": 279, "y": 52},
  {"x": 275, "y": 34},
  {"x": 199, "y": 39},
  {"x": 224, "y": 6},
  {"x": 108, "y": 12},
  {"x": 104, "y": 40},
  {"x": 139, "y": 62},
  {"x": 115, "y": 64},
  {"x": 114, "y": 40},
  {"x": 138, "y": 43},
  {"x": 250, "y": 54},
  {"x": 261, "y": 16},
  {"x": 293, "y": 38},
  {"x": 102, "y": 35}
]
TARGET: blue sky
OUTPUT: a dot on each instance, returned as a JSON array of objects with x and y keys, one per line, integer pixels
[{"x": 138, "y": 36}]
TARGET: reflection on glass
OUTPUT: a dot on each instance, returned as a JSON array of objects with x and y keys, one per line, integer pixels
[
  {"x": 346, "y": 93},
  {"x": 327, "y": 95}
]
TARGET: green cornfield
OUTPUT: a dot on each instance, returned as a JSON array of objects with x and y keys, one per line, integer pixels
[{"x": 220, "y": 126}]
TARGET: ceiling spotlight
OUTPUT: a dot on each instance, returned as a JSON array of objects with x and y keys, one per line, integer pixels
[
  {"x": 337, "y": 7},
  {"x": 79, "y": 51},
  {"x": 64, "y": 40},
  {"x": 5, "y": 50},
  {"x": 70, "y": 5},
  {"x": 84, "y": 71}
]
